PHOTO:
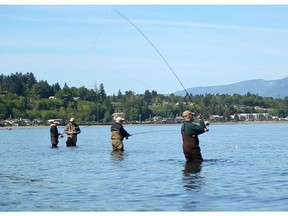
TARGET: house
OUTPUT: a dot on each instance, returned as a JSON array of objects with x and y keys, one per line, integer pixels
[
  {"x": 61, "y": 121},
  {"x": 216, "y": 118}
]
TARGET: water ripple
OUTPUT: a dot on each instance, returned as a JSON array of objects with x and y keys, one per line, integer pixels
[{"x": 243, "y": 170}]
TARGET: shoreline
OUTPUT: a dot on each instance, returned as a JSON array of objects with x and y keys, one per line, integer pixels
[{"x": 150, "y": 124}]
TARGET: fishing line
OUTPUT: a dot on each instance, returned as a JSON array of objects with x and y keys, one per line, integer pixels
[
  {"x": 150, "y": 132},
  {"x": 121, "y": 75},
  {"x": 100, "y": 32},
  {"x": 96, "y": 123},
  {"x": 150, "y": 42},
  {"x": 109, "y": 70}
]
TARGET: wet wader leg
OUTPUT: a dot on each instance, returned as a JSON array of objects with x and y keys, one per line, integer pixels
[
  {"x": 54, "y": 141},
  {"x": 193, "y": 154},
  {"x": 69, "y": 142},
  {"x": 191, "y": 148},
  {"x": 117, "y": 145},
  {"x": 74, "y": 140}
]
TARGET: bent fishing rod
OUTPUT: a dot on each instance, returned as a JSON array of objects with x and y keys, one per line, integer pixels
[{"x": 155, "y": 48}]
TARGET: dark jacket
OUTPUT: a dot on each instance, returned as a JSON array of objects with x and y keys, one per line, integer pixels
[
  {"x": 54, "y": 130},
  {"x": 54, "y": 134}
]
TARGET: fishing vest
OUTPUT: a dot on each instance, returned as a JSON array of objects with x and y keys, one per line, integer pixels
[
  {"x": 115, "y": 131},
  {"x": 72, "y": 128}
]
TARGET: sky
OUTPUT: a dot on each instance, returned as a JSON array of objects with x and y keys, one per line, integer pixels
[{"x": 89, "y": 45}]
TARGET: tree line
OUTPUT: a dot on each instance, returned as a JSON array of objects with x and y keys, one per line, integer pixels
[{"x": 22, "y": 96}]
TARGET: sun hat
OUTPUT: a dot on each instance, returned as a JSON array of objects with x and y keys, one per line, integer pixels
[{"x": 186, "y": 113}]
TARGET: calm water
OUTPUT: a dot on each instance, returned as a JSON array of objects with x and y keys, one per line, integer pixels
[{"x": 245, "y": 169}]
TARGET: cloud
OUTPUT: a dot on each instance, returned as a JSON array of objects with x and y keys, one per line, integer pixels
[
  {"x": 91, "y": 19},
  {"x": 41, "y": 19},
  {"x": 206, "y": 25}
]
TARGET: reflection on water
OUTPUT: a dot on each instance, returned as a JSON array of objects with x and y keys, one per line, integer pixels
[
  {"x": 191, "y": 175},
  {"x": 117, "y": 155},
  {"x": 14, "y": 178}
]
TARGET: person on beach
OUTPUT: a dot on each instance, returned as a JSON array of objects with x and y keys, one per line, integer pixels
[
  {"x": 118, "y": 133},
  {"x": 72, "y": 130},
  {"x": 54, "y": 134},
  {"x": 190, "y": 132}
]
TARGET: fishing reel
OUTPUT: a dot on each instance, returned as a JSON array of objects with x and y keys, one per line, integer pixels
[{"x": 206, "y": 123}]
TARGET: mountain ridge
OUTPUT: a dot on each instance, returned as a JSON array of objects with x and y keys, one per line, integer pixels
[{"x": 265, "y": 88}]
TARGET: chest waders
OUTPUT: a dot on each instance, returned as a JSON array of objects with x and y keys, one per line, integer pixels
[
  {"x": 191, "y": 147},
  {"x": 116, "y": 141}
]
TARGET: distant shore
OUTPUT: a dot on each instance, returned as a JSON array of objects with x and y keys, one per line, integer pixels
[{"x": 150, "y": 124}]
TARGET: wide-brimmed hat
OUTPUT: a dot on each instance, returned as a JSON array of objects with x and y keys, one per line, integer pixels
[{"x": 55, "y": 122}]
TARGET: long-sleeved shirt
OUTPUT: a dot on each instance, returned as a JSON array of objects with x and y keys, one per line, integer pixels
[{"x": 192, "y": 128}]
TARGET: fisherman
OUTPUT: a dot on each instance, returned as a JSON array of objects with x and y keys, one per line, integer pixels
[
  {"x": 190, "y": 132},
  {"x": 54, "y": 134},
  {"x": 118, "y": 133},
  {"x": 72, "y": 130}
]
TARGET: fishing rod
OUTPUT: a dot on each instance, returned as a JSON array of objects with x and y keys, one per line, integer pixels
[
  {"x": 149, "y": 132},
  {"x": 101, "y": 120},
  {"x": 150, "y": 42},
  {"x": 61, "y": 134}
]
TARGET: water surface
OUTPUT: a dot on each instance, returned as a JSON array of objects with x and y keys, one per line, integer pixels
[{"x": 244, "y": 169}]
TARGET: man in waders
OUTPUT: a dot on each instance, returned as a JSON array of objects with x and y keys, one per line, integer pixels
[
  {"x": 54, "y": 134},
  {"x": 117, "y": 134},
  {"x": 190, "y": 132},
  {"x": 72, "y": 130}
]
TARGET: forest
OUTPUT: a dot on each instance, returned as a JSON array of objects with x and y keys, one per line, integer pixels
[{"x": 22, "y": 96}]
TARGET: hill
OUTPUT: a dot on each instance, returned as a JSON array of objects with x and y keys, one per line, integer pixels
[{"x": 264, "y": 88}]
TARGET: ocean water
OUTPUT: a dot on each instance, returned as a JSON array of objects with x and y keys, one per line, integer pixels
[{"x": 245, "y": 168}]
